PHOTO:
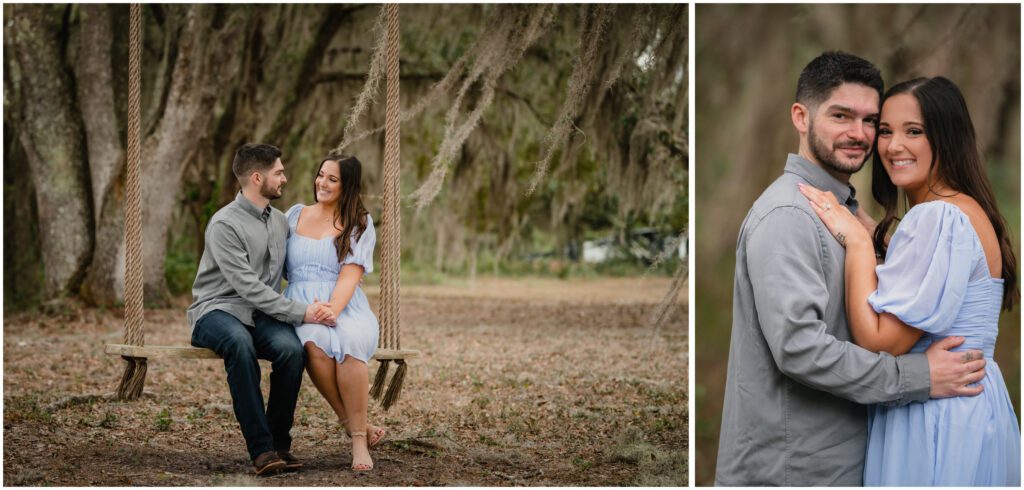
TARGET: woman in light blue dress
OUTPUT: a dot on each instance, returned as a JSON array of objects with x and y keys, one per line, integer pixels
[
  {"x": 949, "y": 269},
  {"x": 330, "y": 249}
]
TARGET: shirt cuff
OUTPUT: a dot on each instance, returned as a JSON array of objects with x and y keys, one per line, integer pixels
[
  {"x": 915, "y": 377},
  {"x": 296, "y": 312}
]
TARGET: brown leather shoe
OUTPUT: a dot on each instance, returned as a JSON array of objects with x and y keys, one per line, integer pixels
[
  {"x": 291, "y": 463},
  {"x": 268, "y": 463}
]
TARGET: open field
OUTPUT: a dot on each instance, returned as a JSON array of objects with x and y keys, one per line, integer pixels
[{"x": 521, "y": 382}]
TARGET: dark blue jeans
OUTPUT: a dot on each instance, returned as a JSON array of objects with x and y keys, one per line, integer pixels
[{"x": 241, "y": 346}]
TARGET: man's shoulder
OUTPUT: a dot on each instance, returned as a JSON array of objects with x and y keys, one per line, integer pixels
[
  {"x": 782, "y": 196},
  {"x": 226, "y": 218},
  {"x": 227, "y": 213}
]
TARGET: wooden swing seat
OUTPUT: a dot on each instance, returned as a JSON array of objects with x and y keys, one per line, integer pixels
[{"x": 189, "y": 352}]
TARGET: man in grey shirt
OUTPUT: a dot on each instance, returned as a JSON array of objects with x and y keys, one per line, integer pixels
[
  {"x": 792, "y": 414},
  {"x": 240, "y": 314}
]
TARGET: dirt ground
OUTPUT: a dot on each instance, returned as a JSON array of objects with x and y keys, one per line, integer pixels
[{"x": 521, "y": 382}]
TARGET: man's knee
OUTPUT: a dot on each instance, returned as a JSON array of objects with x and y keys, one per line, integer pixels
[
  {"x": 289, "y": 355},
  {"x": 238, "y": 345}
]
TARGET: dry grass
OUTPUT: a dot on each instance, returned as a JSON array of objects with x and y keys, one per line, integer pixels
[{"x": 513, "y": 389}]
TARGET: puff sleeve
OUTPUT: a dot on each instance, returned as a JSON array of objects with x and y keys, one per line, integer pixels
[
  {"x": 927, "y": 267},
  {"x": 362, "y": 248},
  {"x": 293, "y": 218}
]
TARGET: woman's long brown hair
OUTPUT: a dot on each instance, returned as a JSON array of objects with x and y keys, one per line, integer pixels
[
  {"x": 349, "y": 212},
  {"x": 955, "y": 162}
]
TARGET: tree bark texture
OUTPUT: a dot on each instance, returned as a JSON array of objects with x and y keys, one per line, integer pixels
[
  {"x": 51, "y": 134},
  {"x": 104, "y": 281}
]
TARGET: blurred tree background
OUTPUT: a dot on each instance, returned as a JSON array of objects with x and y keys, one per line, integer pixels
[
  {"x": 597, "y": 91},
  {"x": 748, "y": 60}
]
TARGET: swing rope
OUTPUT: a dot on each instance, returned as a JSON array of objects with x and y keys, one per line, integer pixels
[
  {"x": 390, "y": 275},
  {"x": 135, "y": 372}
]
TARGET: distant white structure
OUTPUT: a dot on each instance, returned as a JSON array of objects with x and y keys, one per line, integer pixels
[
  {"x": 606, "y": 248},
  {"x": 595, "y": 251}
]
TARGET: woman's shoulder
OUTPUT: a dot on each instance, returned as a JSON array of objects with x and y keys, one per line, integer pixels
[
  {"x": 294, "y": 211},
  {"x": 961, "y": 210},
  {"x": 959, "y": 222},
  {"x": 972, "y": 210},
  {"x": 368, "y": 225},
  {"x": 933, "y": 216}
]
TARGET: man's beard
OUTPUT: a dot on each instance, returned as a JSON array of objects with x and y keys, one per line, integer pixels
[
  {"x": 830, "y": 159},
  {"x": 270, "y": 192}
]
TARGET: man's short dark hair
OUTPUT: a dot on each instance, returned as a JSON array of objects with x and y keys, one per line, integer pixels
[
  {"x": 831, "y": 69},
  {"x": 252, "y": 157}
]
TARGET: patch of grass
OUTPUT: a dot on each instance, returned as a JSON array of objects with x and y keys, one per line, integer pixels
[
  {"x": 196, "y": 413},
  {"x": 163, "y": 420},
  {"x": 631, "y": 447},
  {"x": 661, "y": 395},
  {"x": 108, "y": 421},
  {"x": 666, "y": 470},
  {"x": 516, "y": 427},
  {"x": 582, "y": 464},
  {"x": 655, "y": 467},
  {"x": 26, "y": 408},
  {"x": 26, "y": 477},
  {"x": 482, "y": 401},
  {"x": 664, "y": 424}
]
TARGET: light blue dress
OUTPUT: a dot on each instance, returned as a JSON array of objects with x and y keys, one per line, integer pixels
[
  {"x": 312, "y": 268},
  {"x": 935, "y": 278}
]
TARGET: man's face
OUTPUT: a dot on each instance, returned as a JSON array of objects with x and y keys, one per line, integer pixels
[
  {"x": 273, "y": 181},
  {"x": 842, "y": 128}
]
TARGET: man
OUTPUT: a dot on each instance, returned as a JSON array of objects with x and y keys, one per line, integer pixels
[
  {"x": 240, "y": 314},
  {"x": 792, "y": 414}
]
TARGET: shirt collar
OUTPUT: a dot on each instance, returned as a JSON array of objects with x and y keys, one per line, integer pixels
[
  {"x": 818, "y": 177},
  {"x": 249, "y": 207}
]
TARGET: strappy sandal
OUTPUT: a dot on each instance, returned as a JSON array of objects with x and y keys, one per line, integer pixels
[
  {"x": 360, "y": 466},
  {"x": 371, "y": 442}
]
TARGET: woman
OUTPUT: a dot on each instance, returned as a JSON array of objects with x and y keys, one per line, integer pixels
[
  {"x": 949, "y": 268},
  {"x": 330, "y": 248}
]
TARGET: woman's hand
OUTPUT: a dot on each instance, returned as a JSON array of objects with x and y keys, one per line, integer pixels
[
  {"x": 843, "y": 225},
  {"x": 867, "y": 221}
]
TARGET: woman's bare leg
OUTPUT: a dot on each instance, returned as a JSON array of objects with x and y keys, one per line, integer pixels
[
  {"x": 322, "y": 370},
  {"x": 353, "y": 378}
]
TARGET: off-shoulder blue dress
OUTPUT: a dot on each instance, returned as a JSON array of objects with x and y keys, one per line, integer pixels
[
  {"x": 312, "y": 270},
  {"x": 935, "y": 278}
]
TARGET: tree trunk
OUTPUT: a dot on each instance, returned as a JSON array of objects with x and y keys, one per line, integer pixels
[
  {"x": 207, "y": 57},
  {"x": 96, "y": 97},
  {"x": 104, "y": 282},
  {"x": 51, "y": 134}
]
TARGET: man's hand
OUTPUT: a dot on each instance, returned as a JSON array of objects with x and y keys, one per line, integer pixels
[
  {"x": 951, "y": 372},
  {"x": 317, "y": 312}
]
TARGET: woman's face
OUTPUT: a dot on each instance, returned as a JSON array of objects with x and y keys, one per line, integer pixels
[
  {"x": 328, "y": 182},
  {"x": 902, "y": 143}
]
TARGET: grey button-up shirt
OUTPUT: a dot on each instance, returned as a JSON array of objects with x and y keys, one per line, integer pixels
[
  {"x": 795, "y": 384},
  {"x": 243, "y": 264}
]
